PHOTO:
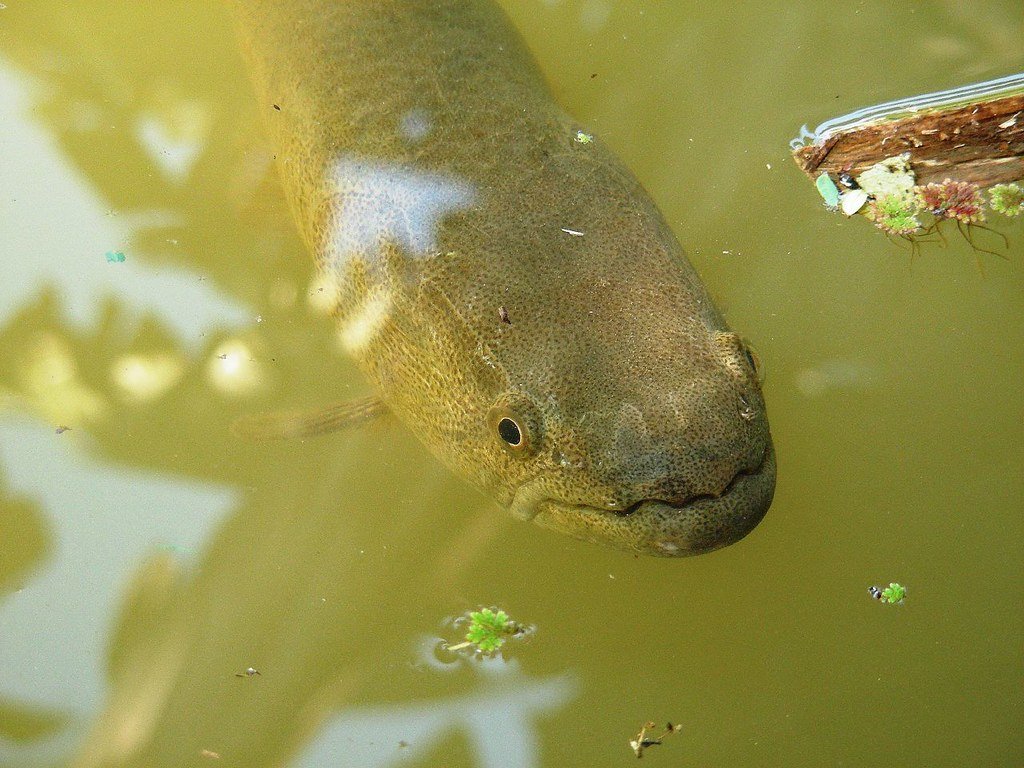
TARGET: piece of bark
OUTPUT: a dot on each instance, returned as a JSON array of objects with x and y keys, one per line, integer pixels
[{"x": 981, "y": 142}]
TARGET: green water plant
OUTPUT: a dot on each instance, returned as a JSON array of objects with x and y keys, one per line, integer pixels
[
  {"x": 1007, "y": 199},
  {"x": 903, "y": 209},
  {"x": 894, "y": 593},
  {"x": 488, "y": 630},
  {"x": 957, "y": 200},
  {"x": 895, "y": 214},
  {"x": 962, "y": 203}
]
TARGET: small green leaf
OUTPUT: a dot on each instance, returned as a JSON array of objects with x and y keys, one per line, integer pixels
[{"x": 828, "y": 190}]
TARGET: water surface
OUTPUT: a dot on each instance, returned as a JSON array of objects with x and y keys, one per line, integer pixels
[{"x": 147, "y": 557}]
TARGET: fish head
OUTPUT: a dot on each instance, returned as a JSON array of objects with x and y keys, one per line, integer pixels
[{"x": 633, "y": 419}]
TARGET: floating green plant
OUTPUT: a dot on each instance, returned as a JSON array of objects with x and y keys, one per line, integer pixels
[
  {"x": 894, "y": 593},
  {"x": 488, "y": 630},
  {"x": 913, "y": 212},
  {"x": 895, "y": 214},
  {"x": 583, "y": 138},
  {"x": 1007, "y": 199},
  {"x": 114, "y": 257},
  {"x": 958, "y": 200}
]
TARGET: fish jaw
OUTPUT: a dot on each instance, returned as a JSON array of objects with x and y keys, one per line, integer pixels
[{"x": 655, "y": 527}]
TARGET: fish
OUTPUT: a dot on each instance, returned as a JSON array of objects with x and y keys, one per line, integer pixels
[{"x": 441, "y": 189}]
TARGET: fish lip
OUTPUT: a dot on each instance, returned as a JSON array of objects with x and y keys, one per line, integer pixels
[
  {"x": 730, "y": 486},
  {"x": 652, "y": 526}
]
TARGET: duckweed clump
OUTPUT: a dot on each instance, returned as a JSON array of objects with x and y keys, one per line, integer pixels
[
  {"x": 895, "y": 214},
  {"x": 489, "y": 628},
  {"x": 1007, "y": 199}
]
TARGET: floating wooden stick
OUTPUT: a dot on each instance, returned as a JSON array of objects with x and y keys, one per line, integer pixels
[{"x": 974, "y": 134}]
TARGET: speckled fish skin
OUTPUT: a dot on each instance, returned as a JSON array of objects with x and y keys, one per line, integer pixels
[{"x": 433, "y": 178}]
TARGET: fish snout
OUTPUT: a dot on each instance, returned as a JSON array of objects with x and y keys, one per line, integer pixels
[
  {"x": 680, "y": 466},
  {"x": 676, "y": 527}
]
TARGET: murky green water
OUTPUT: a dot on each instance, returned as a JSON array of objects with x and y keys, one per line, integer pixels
[{"x": 148, "y": 558}]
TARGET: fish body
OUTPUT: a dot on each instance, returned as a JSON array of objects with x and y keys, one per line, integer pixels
[{"x": 513, "y": 294}]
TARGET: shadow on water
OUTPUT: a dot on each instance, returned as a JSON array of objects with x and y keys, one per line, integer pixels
[
  {"x": 147, "y": 558},
  {"x": 125, "y": 495}
]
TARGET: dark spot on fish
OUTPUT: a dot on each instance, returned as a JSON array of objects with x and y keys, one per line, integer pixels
[{"x": 278, "y": 108}]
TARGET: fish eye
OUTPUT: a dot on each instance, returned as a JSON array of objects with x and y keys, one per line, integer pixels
[
  {"x": 734, "y": 351},
  {"x": 509, "y": 431},
  {"x": 755, "y": 362},
  {"x": 514, "y": 421}
]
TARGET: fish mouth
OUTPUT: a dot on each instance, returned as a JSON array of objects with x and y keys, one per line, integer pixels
[{"x": 700, "y": 524}]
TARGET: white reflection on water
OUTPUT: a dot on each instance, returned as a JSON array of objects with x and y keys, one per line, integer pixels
[
  {"x": 174, "y": 146},
  {"x": 499, "y": 718},
  {"x": 837, "y": 375},
  {"x": 50, "y": 212},
  {"x": 56, "y": 659},
  {"x": 380, "y": 202}
]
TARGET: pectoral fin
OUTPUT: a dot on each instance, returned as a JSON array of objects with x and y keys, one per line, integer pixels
[{"x": 284, "y": 424}]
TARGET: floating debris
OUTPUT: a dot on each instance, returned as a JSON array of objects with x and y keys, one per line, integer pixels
[
  {"x": 914, "y": 164},
  {"x": 894, "y": 593},
  {"x": 573, "y": 232},
  {"x": 828, "y": 190},
  {"x": 968, "y": 132},
  {"x": 210, "y": 754},
  {"x": 892, "y": 176},
  {"x": 887, "y": 196},
  {"x": 489, "y": 628},
  {"x": 847, "y": 180},
  {"x": 851, "y": 202},
  {"x": 642, "y": 741},
  {"x": 115, "y": 257},
  {"x": 503, "y": 314},
  {"x": 250, "y": 672},
  {"x": 959, "y": 200},
  {"x": 1007, "y": 199},
  {"x": 62, "y": 429},
  {"x": 583, "y": 138}
]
